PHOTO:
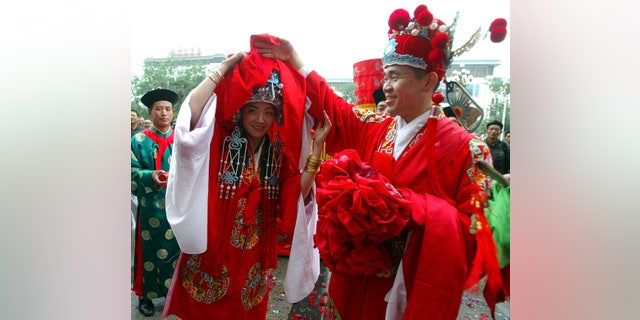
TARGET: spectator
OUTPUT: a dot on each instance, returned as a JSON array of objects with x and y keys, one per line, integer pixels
[
  {"x": 500, "y": 150},
  {"x": 135, "y": 125},
  {"x": 381, "y": 104},
  {"x": 507, "y": 137}
]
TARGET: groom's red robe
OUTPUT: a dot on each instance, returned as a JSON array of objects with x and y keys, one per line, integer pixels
[{"x": 442, "y": 249}]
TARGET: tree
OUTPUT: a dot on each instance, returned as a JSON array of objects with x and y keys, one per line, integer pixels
[
  {"x": 501, "y": 89},
  {"x": 346, "y": 90},
  {"x": 178, "y": 75}
]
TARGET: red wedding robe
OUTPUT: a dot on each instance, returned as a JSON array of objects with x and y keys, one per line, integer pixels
[
  {"x": 232, "y": 280},
  {"x": 441, "y": 248},
  {"x": 233, "y": 277}
]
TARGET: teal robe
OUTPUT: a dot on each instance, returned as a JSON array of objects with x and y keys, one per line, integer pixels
[{"x": 156, "y": 249}]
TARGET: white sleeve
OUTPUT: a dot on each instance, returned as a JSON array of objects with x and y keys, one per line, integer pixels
[
  {"x": 396, "y": 298},
  {"x": 304, "y": 71},
  {"x": 187, "y": 188},
  {"x": 303, "y": 267}
]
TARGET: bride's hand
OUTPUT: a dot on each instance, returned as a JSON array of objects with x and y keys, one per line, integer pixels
[
  {"x": 284, "y": 51},
  {"x": 229, "y": 63}
]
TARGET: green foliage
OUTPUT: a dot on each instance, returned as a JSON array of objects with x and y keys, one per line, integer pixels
[
  {"x": 172, "y": 73},
  {"x": 346, "y": 89},
  {"x": 501, "y": 89},
  {"x": 499, "y": 86}
]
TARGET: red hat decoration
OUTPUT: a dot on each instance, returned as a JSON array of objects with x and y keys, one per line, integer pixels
[
  {"x": 422, "y": 42},
  {"x": 437, "y": 98},
  {"x": 498, "y": 30}
]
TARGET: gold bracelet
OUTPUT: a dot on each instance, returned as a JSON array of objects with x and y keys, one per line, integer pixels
[
  {"x": 313, "y": 160},
  {"x": 313, "y": 164},
  {"x": 312, "y": 169},
  {"x": 212, "y": 80},
  {"x": 218, "y": 75}
]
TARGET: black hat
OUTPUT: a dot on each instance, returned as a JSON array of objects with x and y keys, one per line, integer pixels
[
  {"x": 378, "y": 96},
  {"x": 448, "y": 111},
  {"x": 159, "y": 94}
]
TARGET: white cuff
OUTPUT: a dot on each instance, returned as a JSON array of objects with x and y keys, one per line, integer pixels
[{"x": 304, "y": 70}]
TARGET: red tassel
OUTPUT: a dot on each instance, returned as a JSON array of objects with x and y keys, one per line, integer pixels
[
  {"x": 485, "y": 261},
  {"x": 432, "y": 124},
  {"x": 269, "y": 231},
  {"x": 486, "y": 258}
]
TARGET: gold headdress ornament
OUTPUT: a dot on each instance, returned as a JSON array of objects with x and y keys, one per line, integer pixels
[
  {"x": 460, "y": 101},
  {"x": 469, "y": 44}
]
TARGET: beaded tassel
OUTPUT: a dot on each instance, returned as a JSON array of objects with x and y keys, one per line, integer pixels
[
  {"x": 234, "y": 151},
  {"x": 273, "y": 168}
]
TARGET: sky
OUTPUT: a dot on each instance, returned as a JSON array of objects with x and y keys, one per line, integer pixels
[{"x": 330, "y": 35}]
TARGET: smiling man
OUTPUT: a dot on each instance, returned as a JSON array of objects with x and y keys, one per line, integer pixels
[{"x": 419, "y": 269}]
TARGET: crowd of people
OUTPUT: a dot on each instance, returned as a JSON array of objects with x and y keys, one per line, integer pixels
[
  {"x": 138, "y": 122},
  {"x": 264, "y": 159}
]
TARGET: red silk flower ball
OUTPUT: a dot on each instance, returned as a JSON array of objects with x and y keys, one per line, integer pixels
[
  {"x": 359, "y": 212},
  {"x": 399, "y": 19}
]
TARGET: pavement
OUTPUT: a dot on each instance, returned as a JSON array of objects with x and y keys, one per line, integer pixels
[
  {"x": 472, "y": 307},
  {"x": 278, "y": 309}
]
